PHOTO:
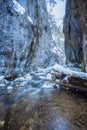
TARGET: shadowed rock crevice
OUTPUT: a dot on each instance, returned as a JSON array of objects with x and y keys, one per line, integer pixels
[{"x": 75, "y": 31}]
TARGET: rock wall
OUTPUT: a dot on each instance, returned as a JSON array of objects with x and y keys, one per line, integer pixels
[
  {"x": 25, "y": 37},
  {"x": 75, "y": 30}
]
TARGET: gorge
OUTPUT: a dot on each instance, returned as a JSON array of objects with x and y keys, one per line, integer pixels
[{"x": 43, "y": 72}]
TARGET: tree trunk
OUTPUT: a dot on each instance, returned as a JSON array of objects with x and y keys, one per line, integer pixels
[{"x": 69, "y": 78}]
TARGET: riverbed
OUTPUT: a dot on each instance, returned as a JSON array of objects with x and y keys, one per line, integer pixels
[{"x": 44, "y": 109}]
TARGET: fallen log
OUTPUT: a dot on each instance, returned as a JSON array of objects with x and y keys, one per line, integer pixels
[{"x": 70, "y": 79}]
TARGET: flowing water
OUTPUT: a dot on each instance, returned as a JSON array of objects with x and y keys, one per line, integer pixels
[
  {"x": 45, "y": 109},
  {"x": 39, "y": 108}
]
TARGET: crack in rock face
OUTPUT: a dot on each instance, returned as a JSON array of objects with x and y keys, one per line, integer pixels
[{"x": 25, "y": 38}]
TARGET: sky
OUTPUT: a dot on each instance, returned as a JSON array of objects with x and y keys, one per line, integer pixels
[{"x": 59, "y": 11}]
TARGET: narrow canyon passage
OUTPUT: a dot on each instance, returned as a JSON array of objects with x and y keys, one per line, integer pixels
[{"x": 43, "y": 64}]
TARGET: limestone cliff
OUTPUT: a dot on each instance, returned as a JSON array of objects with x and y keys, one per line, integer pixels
[
  {"x": 25, "y": 37},
  {"x": 75, "y": 30}
]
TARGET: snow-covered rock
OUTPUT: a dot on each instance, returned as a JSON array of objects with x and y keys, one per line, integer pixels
[
  {"x": 47, "y": 85},
  {"x": 9, "y": 89},
  {"x": 49, "y": 76},
  {"x": 18, "y": 7},
  {"x": 1, "y": 78}
]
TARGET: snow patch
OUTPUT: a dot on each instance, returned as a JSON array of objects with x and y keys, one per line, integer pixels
[
  {"x": 28, "y": 77},
  {"x": 9, "y": 89},
  {"x": 17, "y": 7},
  {"x": 66, "y": 79},
  {"x": 1, "y": 78},
  {"x": 46, "y": 85},
  {"x": 30, "y": 19},
  {"x": 54, "y": 50},
  {"x": 49, "y": 77}
]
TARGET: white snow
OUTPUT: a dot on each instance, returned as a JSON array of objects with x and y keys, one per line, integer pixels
[
  {"x": 9, "y": 88},
  {"x": 49, "y": 77},
  {"x": 44, "y": 70},
  {"x": 66, "y": 79},
  {"x": 1, "y": 78},
  {"x": 47, "y": 85},
  {"x": 17, "y": 7},
  {"x": 27, "y": 77},
  {"x": 54, "y": 50},
  {"x": 42, "y": 77},
  {"x": 20, "y": 79},
  {"x": 30, "y": 19},
  {"x": 68, "y": 71}
]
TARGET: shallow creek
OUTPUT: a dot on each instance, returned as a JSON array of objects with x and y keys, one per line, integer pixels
[{"x": 44, "y": 109}]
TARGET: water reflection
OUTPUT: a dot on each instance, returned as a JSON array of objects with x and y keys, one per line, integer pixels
[{"x": 44, "y": 109}]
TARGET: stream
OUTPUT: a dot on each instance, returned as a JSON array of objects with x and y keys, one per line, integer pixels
[{"x": 33, "y": 106}]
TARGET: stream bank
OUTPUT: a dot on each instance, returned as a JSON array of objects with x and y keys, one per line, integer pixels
[{"x": 35, "y": 103}]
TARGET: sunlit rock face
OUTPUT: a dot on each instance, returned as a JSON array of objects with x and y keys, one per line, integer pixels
[
  {"x": 25, "y": 37},
  {"x": 75, "y": 29}
]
